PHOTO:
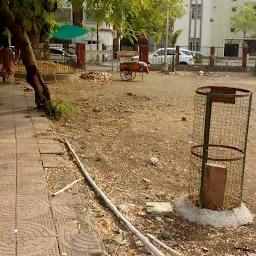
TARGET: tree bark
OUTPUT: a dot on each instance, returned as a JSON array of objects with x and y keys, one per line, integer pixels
[
  {"x": 34, "y": 38},
  {"x": 21, "y": 42},
  {"x": 116, "y": 44},
  {"x": 47, "y": 53}
]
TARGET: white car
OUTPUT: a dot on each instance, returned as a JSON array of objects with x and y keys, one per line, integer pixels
[
  {"x": 157, "y": 57},
  {"x": 60, "y": 55}
]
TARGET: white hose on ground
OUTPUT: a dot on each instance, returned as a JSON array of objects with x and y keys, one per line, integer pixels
[{"x": 136, "y": 232}]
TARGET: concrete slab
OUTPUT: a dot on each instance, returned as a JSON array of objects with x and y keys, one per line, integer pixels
[
  {"x": 218, "y": 219},
  {"x": 49, "y": 140},
  {"x": 55, "y": 148},
  {"x": 33, "y": 171},
  {"x": 27, "y": 148},
  {"x": 7, "y": 141},
  {"x": 7, "y": 148},
  {"x": 73, "y": 239},
  {"x": 7, "y": 136},
  {"x": 54, "y": 161}
]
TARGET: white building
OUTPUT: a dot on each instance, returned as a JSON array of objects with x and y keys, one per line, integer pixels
[{"x": 207, "y": 23}]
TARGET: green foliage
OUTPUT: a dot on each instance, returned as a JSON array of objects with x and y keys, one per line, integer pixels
[
  {"x": 245, "y": 19},
  {"x": 36, "y": 16},
  {"x": 48, "y": 29},
  {"x": 175, "y": 36},
  {"x": 61, "y": 109},
  {"x": 254, "y": 68},
  {"x": 135, "y": 18},
  {"x": 198, "y": 57}
]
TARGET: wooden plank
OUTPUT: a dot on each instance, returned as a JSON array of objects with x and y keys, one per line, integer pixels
[
  {"x": 214, "y": 186},
  {"x": 127, "y": 53}
]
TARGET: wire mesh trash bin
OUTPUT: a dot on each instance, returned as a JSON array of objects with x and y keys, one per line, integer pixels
[{"x": 218, "y": 152}]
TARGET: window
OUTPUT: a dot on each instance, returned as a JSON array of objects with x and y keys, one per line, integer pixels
[
  {"x": 185, "y": 52},
  {"x": 92, "y": 42},
  {"x": 63, "y": 15},
  {"x": 170, "y": 51},
  {"x": 211, "y": 19},
  {"x": 55, "y": 51},
  {"x": 232, "y": 29},
  {"x": 161, "y": 52},
  {"x": 195, "y": 44},
  {"x": 196, "y": 11},
  {"x": 87, "y": 16},
  {"x": 234, "y": 9}
]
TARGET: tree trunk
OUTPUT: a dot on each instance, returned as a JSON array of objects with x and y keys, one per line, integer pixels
[
  {"x": 116, "y": 44},
  {"x": 34, "y": 37},
  {"x": 47, "y": 53},
  {"x": 21, "y": 42}
]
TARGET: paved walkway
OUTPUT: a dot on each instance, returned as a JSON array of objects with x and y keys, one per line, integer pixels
[{"x": 32, "y": 222}]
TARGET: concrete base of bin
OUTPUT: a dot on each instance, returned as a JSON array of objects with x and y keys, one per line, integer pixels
[{"x": 233, "y": 218}]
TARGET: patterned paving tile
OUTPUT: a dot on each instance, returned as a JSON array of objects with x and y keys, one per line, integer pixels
[
  {"x": 7, "y": 238},
  {"x": 7, "y": 207},
  {"x": 32, "y": 222},
  {"x": 35, "y": 239},
  {"x": 78, "y": 241},
  {"x": 28, "y": 207}
]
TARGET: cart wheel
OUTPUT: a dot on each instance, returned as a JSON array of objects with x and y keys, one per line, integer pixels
[{"x": 127, "y": 75}]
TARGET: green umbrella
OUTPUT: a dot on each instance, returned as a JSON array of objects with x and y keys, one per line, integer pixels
[{"x": 70, "y": 32}]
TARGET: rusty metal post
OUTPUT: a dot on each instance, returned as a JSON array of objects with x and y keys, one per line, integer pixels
[
  {"x": 143, "y": 49},
  {"x": 103, "y": 55},
  {"x": 245, "y": 52},
  {"x": 81, "y": 55},
  {"x": 177, "y": 55},
  {"x": 212, "y": 56}
]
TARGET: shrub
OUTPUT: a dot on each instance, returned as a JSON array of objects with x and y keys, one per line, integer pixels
[
  {"x": 61, "y": 109},
  {"x": 198, "y": 57}
]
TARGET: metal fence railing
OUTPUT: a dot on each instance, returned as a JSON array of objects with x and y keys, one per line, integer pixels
[
  {"x": 204, "y": 56},
  {"x": 61, "y": 58},
  {"x": 99, "y": 60}
]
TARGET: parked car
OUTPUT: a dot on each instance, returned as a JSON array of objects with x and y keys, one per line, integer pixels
[
  {"x": 157, "y": 57},
  {"x": 60, "y": 55},
  {"x": 193, "y": 53}
]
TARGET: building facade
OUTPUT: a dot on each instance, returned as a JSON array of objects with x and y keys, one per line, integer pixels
[{"x": 207, "y": 23}]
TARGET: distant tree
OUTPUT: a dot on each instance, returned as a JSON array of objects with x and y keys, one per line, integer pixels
[
  {"x": 245, "y": 19},
  {"x": 174, "y": 37}
]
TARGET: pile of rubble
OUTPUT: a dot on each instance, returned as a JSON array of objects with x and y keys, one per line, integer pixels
[{"x": 96, "y": 76}]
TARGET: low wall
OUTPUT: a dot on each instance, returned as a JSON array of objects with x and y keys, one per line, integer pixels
[
  {"x": 158, "y": 67},
  {"x": 52, "y": 77}
]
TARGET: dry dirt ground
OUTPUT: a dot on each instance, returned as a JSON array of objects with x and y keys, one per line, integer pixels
[{"x": 120, "y": 126}]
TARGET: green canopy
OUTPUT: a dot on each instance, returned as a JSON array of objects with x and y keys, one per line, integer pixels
[{"x": 70, "y": 32}]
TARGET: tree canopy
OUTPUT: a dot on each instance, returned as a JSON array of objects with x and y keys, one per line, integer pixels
[
  {"x": 245, "y": 19},
  {"x": 135, "y": 18}
]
